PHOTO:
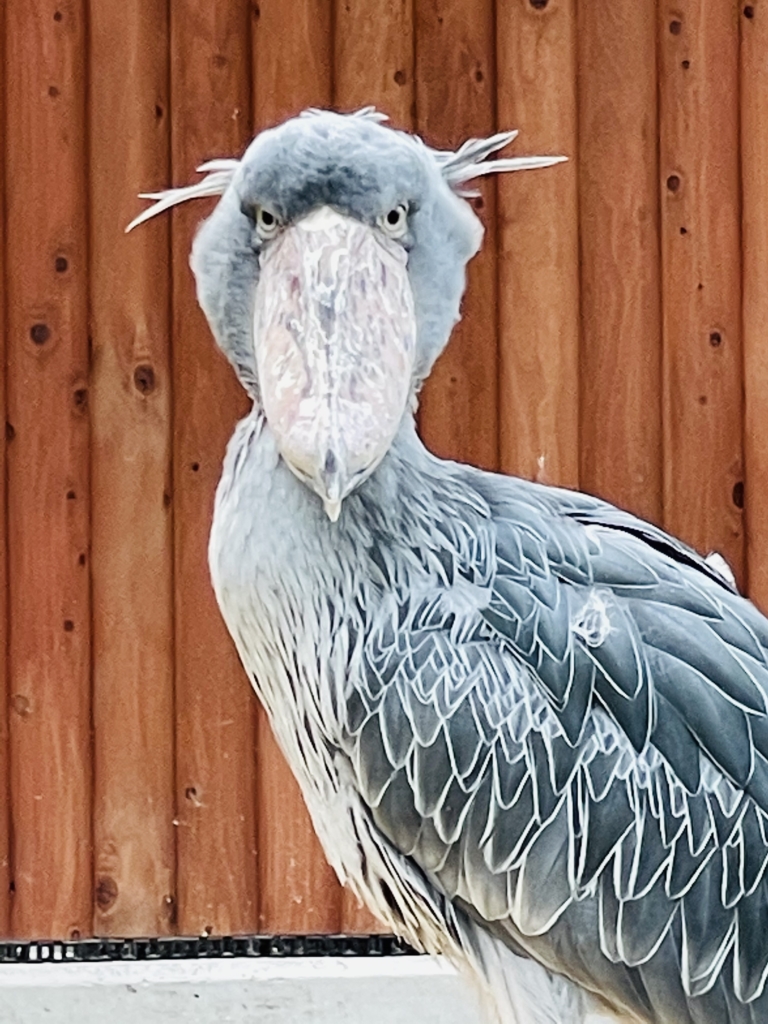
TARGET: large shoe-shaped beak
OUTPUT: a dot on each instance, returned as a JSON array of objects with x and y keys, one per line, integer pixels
[{"x": 335, "y": 338}]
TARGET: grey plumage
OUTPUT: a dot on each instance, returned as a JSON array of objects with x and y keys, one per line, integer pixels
[{"x": 531, "y": 730}]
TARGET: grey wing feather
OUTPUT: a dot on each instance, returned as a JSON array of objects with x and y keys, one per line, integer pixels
[{"x": 584, "y": 745}]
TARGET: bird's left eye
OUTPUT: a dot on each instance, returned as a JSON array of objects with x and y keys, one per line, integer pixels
[
  {"x": 395, "y": 222},
  {"x": 267, "y": 223}
]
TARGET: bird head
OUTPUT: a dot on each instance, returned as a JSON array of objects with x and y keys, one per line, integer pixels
[{"x": 331, "y": 273}]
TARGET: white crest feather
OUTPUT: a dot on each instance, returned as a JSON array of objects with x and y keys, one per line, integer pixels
[
  {"x": 716, "y": 561},
  {"x": 467, "y": 163},
  {"x": 470, "y": 161},
  {"x": 218, "y": 174},
  {"x": 364, "y": 113}
]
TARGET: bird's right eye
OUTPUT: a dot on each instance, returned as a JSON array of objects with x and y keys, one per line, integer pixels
[
  {"x": 395, "y": 222},
  {"x": 267, "y": 223}
]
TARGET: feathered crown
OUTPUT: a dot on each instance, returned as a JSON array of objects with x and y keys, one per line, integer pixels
[{"x": 470, "y": 161}]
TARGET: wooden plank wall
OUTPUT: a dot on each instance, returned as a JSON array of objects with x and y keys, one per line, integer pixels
[
  {"x": 48, "y": 497},
  {"x": 209, "y": 114},
  {"x": 615, "y": 337},
  {"x": 134, "y": 869}
]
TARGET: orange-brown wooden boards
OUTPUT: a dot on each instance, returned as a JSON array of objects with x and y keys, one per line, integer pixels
[
  {"x": 620, "y": 370},
  {"x": 538, "y": 244},
  {"x": 131, "y": 527},
  {"x": 293, "y": 56},
  {"x": 215, "y": 708},
  {"x": 700, "y": 229},
  {"x": 601, "y": 346},
  {"x": 298, "y": 891},
  {"x": 49, "y": 649},
  {"x": 455, "y": 99},
  {"x": 5, "y": 810},
  {"x": 374, "y": 58},
  {"x": 754, "y": 166}
]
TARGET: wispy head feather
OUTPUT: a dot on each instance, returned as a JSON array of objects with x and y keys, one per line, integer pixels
[
  {"x": 466, "y": 164},
  {"x": 470, "y": 161},
  {"x": 364, "y": 113},
  {"x": 218, "y": 174}
]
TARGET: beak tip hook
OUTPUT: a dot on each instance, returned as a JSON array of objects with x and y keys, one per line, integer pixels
[{"x": 332, "y": 508}]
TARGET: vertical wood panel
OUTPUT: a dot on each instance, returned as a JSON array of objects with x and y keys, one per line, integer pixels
[
  {"x": 429, "y": 64},
  {"x": 620, "y": 434},
  {"x": 373, "y": 64},
  {"x": 455, "y": 100},
  {"x": 374, "y": 58},
  {"x": 131, "y": 537},
  {"x": 538, "y": 245},
  {"x": 48, "y": 468},
  {"x": 298, "y": 890},
  {"x": 293, "y": 54},
  {"x": 215, "y": 776},
  {"x": 5, "y": 818},
  {"x": 754, "y": 157},
  {"x": 699, "y": 156}
]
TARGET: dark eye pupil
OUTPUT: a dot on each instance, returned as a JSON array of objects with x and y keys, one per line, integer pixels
[
  {"x": 393, "y": 218},
  {"x": 267, "y": 219}
]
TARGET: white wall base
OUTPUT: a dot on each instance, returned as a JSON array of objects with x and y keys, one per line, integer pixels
[{"x": 317, "y": 990}]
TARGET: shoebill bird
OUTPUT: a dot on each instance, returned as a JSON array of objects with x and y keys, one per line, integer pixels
[{"x": 531, "y": 730}]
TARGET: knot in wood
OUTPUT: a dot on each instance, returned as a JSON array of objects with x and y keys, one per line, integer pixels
[
  {"x": 40, "y": 333},
  {"x": 106, "y": 892},
  {"x": 144, "y": 379},
  {"x": 21, "y": 705}
]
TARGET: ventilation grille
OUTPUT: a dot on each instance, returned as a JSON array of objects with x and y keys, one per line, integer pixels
[{"x": 89, "y": 950}]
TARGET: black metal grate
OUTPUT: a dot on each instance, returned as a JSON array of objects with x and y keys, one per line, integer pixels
[{"x": 202, "y": 948}]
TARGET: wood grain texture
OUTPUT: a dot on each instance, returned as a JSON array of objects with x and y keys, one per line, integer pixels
[
  {"x": 700, "y": 227},
  {"x": 455, "y": 100},
  {"x": 538, "y": 245},
  {"x": 298, "y": 890},
  {"x": 131, "y": 528},
  {"x": 373, "y": 65},
  {"x": 293, "y": 58},
  {"x": 49, "y": 649},
  {"x": 215, "y": 708},
  {"x": 5, "y": 793},
  {"x": 620, "y": 373},
  {"x": 374, "y": 58},
  {"x": 646, "y": 101},
  {"x": 754, "y": 165}
]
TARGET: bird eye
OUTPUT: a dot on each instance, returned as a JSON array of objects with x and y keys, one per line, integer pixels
[
  {"x": 395, "y": 222},
  {"x": 267, "y": 223}
]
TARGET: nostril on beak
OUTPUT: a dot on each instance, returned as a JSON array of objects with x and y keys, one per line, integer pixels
[{"x": 331, "y": 463}]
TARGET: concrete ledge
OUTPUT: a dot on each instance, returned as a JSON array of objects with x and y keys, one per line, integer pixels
[
  {"x": 316, "y": 990},
  {"x": 320, "y": 990}
]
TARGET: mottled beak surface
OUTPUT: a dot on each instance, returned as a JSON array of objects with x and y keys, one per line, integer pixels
[{"x": 335, "y": 339}]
